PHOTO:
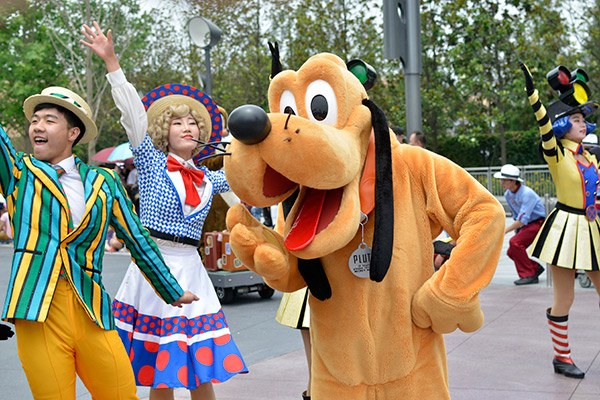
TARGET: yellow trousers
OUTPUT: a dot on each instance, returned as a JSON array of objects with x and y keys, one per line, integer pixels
[{"x": 70, "y": 343}]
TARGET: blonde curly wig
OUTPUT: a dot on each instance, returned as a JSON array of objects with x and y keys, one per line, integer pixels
[{"x": 159, "y": 128}]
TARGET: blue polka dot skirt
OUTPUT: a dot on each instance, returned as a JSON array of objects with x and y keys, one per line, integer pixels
[{"x": 171, "y": 347}]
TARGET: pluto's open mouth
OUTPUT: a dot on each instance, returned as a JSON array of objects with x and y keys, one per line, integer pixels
[{"x": 315, "y": 211}]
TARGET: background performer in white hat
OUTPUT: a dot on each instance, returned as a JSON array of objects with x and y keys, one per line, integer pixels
[{"x": 529, "y": 213}]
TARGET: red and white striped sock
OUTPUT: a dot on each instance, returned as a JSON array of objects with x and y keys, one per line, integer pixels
[{"x": 560, "y": 338}]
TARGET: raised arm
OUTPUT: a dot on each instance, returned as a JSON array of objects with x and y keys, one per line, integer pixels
[
  {"x": 549, "y": 143},
  {"x": 127, "y": 100}
]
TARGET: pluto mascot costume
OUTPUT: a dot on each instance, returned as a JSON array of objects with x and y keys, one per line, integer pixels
[{"x": 360, "y": 211}]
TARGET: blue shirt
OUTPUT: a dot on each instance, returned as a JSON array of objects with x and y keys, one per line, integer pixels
[{"x": 525, "y": 204}]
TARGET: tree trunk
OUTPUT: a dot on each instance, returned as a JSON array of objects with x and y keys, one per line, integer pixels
[{"x": 89, "y": 86}]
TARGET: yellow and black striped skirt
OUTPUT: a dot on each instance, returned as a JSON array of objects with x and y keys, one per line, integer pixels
[
  {"x": 568, "y": 239},
  {"x": 294, "y": 310}
]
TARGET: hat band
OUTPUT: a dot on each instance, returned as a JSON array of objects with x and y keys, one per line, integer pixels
[
  {"x": 510, "y": 176},
  {"x": 70, "y": 100}
]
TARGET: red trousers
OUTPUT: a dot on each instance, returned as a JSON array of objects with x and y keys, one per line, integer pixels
[{"x": 517, "y": 249}]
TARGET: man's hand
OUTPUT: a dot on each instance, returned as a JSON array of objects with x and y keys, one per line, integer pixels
[
  {"x": 101, "y": 44},
  {"x": 187, "y": 298},
  {"x": 5, "y": 332}
]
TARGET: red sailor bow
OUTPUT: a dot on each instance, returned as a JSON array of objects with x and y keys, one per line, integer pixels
[{"x": 190, "y": 177}]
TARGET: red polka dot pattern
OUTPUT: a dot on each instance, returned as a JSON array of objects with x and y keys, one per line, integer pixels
[
  {"x": 183, "y": 361},
  {"x": 233, "y": 363},
  {"x": 146, "y": 375},
  {"x": 182, "y": 346},
  {"x": 151, "y": 347},
  {"x": 204, "y": 355},
  {"x": 162, "y": 360},
  {"x": 222, "y": 340},
  {"x": 168, "y": 326},
  {"x": 182, "y": 375}
]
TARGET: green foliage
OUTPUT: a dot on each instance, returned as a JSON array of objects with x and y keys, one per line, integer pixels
[
  {"x": 590, "y": 55},
  {"x": 483, "y": 149},
  {"x": 473, "y": 105},
  {"x": 27, "y": 65},
  {"x": 86, "y": 73},
  {"x": 240, "y": 62}
]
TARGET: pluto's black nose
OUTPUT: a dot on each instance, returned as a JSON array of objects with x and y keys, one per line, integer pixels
[{"x": 249, "y": 124}]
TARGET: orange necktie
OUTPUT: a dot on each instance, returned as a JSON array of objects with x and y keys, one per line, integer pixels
[{"x": 190, "y": 177}]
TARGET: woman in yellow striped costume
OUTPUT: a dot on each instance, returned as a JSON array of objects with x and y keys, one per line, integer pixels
[{"x": 570, "y": 236}]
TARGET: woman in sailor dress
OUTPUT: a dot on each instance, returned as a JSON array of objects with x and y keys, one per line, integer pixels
[
  {"x": 569, "y": 239},
  {"x": 169, "y": 347}
]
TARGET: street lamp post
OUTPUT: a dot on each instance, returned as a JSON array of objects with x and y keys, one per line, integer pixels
[
  {"x": 205, "y": 34},
  {"x": 402, "y": 40}
]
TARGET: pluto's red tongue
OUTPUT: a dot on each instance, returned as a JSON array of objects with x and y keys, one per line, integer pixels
[{"x": 307, "y": 220}]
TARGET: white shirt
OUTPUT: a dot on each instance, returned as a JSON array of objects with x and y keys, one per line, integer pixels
[{"x": 73, "y": 187}]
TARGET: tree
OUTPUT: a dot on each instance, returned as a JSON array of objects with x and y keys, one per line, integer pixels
[
  {"x": 590, "y": 60},
  {"x": 27, "y": 65},
  {"x": 86, "y": 74},
  {"x": 471, "y": 84},
  {"x": 485, "y": 43},
  {"x": 241, "y": 61}
]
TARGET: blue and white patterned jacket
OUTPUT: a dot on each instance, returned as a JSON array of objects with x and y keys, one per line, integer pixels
[{"x": 160, "y": 205}]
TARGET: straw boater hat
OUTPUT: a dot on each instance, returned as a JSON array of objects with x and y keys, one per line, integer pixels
[
  {"x": 69, "y": 100},
  {"x": 172, "y": 94},
  {"x": 509, "y": 171}
]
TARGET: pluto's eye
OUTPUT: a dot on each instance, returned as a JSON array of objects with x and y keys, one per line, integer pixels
[
  {"x": 319, "y": 107},
  {"x": 321, "y": 102},
  {"x": 287, "y": 103}
]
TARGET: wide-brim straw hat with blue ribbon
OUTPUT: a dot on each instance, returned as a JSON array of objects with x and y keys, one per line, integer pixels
[
  {"x": 69, "y": 100},
  {"x": 160, "y": 98}
]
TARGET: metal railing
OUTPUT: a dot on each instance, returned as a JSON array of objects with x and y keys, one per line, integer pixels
[{"x": 536, "y": 177}]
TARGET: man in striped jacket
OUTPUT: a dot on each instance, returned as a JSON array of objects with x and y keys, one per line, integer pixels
[{"x": 61, "y": 209}]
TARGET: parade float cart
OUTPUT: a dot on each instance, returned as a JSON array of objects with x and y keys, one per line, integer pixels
[{"x": 228, "y": 275}]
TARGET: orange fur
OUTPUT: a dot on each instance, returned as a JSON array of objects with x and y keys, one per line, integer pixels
[{"x": 370, "y": 340}]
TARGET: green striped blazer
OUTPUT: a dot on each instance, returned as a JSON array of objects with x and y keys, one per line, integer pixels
[{"x": 43, "y": 244}]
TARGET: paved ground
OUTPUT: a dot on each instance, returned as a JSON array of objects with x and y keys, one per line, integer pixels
[{"x": 509, "y": 358}]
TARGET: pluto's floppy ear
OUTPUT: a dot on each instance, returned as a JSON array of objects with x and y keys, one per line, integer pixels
[
  {"x": 365, "y": 73},
  {"x": 275, "y": 61},
  {"x": 312, "y": 270},
  {"x": 383, "y": 236}
]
